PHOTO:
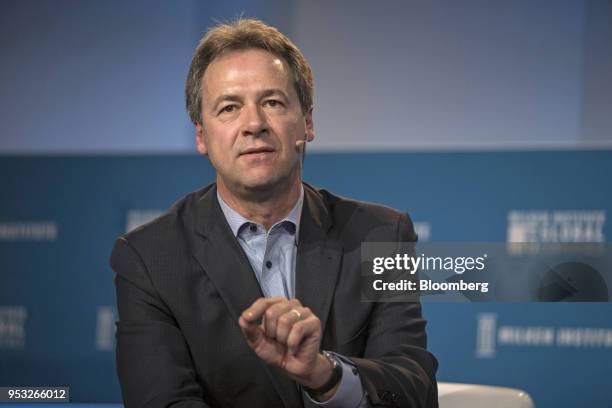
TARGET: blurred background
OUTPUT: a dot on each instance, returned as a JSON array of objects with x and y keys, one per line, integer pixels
[{"x": 488, "y": 121}]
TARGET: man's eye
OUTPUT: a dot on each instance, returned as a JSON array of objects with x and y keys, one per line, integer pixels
[
  {"x": 228, "y": 109},
  {"x": 273, "y": 103}
]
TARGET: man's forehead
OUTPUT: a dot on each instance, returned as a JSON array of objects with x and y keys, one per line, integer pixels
[{"x": 239, "y": 62}]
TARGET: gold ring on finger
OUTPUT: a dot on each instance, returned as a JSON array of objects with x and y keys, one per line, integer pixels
[{"x": 297, "y": 313}]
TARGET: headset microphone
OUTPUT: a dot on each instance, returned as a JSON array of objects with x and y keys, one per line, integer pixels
[{"x": 300, "y": 143}]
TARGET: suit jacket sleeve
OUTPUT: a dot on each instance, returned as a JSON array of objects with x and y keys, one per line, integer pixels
[
  {"x": 153, "y": 361},
  {"x": 396, "y": 369}
]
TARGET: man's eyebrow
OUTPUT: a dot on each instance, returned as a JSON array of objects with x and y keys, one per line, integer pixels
[{"x": 272, "y": 92}]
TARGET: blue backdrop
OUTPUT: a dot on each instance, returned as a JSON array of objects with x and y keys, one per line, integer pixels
[{"x": 59, "y": 217}]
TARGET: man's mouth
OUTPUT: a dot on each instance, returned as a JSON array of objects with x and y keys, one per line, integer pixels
[{"x": 255, "y": 151}]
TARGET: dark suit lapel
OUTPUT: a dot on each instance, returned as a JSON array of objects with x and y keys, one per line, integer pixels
[
  {"x": 222, "y": 258},
  {"x": 227, "y": 266},
  {"x": 319, "y": 258}
]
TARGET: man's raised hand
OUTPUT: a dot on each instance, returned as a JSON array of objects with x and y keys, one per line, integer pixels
[{"x": 287, "y": 335}]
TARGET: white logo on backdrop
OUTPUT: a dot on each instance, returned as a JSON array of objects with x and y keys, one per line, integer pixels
[
  {"x": 556, "y": 226},
  {"x": 105, "y": 328},
  {"x": 485, "y": 335},
  {"x": 423, "y": 230},
  {"x": 12, "y": 327},
  {"x": 136, "y": 218},
  {"x": 28, "y": 231},
  {"x": 490, "y": 337}
]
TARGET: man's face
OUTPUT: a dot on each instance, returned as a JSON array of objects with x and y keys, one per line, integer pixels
[{"x": 252, "y": 119}]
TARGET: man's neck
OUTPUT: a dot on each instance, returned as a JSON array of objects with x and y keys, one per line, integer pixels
[{"x": 266, "y": 210}]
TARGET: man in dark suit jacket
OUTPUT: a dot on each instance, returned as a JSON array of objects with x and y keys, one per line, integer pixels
[{"x": 196, "y": 328}]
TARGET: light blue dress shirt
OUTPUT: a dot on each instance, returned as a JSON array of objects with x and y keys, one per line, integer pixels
[{"x": 272, "y": 255}]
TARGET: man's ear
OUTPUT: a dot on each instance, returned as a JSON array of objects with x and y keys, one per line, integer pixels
[
  {"x": 199, "y": 136},
  {"x": 309, "y": 125}
]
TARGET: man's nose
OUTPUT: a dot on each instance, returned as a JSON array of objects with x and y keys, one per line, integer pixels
[{"x": 255, "y": 122}]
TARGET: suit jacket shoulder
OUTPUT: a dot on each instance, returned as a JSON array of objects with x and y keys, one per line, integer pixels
[
  {"x": 363, "y": 221},
  {"x": 172, "y": 226}
]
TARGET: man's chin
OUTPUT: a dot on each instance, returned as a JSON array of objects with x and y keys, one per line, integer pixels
[{"x": 263, "y": 188}]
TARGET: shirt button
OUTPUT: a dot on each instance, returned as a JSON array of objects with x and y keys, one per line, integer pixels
[
  {"x": 268, "y": 264},
  {"x": 253, "y": 227}
]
